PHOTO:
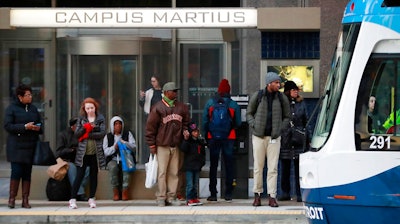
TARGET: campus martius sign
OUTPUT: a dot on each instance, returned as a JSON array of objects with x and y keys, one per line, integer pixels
[{"x": 134, "y": 18}]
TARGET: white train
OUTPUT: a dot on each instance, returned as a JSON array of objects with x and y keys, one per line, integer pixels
[{"x": 352, "y": 172}]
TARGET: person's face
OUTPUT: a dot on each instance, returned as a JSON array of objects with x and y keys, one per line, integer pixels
[
  {"x": 26, "y": 98},
  {"x": 117, "y": 127},
  {"x": 90, "y": 109},
  {"x": 294, "y": 93},
  {"x": 73, "y": 127},
  {"x": 171, "y": 94},
  {"x": 154, "y": 82},
  {"x": 371, "y": 103},
  {"x": 274, "y": 86},
  {"x": 195, "y": 133}
]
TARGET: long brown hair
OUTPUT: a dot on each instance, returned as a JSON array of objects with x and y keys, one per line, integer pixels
[{"x": 88, "y": 100}]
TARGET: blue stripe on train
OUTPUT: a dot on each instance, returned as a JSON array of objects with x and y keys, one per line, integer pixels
[{"x": 377, "y": 200}]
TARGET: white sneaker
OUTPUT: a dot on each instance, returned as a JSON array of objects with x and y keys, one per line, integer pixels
[
  {"x": 72, "y": 204},
  {"x": 92, "y": 203}
]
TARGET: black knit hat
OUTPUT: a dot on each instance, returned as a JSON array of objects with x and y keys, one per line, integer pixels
[
  {"x": 73, "y": 121},
  {"x": 289, "y": 85}
]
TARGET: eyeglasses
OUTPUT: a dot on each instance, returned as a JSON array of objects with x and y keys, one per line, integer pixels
[
  {"x": 175, "y": 90},
  {"x": 28, "y": 95}
]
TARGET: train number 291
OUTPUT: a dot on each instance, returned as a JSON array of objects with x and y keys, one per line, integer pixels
[{"x": 378, "y": 142}]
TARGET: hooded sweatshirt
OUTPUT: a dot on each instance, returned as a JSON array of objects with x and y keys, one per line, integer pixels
[{"x": 129, "y": 141}]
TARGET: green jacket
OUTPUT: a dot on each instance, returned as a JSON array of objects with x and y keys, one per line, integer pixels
[{"x": 256, "y": 115}]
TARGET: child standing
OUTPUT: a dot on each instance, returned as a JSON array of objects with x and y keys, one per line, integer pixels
[{"x": 193, "y": 146}]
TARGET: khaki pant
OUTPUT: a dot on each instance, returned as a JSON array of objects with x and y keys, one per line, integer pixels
[
  {"x": 265, "y": 148},
  {"x": 168, "y": 167}
]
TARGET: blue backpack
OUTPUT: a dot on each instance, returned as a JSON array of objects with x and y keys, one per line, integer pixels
[{"x": 220, "y": 123}]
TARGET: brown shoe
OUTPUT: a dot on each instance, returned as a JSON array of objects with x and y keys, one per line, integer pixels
[
  {"x": 272, "y": 202},
  {"x": 125, "y": 196},
  {"x": 115, "y": 194},
  {"x": 257, "y": 200}
]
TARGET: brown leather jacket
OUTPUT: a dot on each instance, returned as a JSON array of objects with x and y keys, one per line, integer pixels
[{"x": 165, "y": 124}]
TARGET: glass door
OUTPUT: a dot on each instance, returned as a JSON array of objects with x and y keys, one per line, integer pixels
[
  {"x": 202, "y": 68},
  {"x": 112, "y": 81},
  {"x": 28, "y": 63}
]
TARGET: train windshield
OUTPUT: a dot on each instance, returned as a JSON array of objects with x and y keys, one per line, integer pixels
[{"x": 334, "y": 85}]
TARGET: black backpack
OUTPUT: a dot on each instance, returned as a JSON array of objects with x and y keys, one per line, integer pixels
[{"x": 58, "y": 190}]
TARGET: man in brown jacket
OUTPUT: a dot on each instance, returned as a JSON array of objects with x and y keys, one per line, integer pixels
[{"x": 166, "y": 124}]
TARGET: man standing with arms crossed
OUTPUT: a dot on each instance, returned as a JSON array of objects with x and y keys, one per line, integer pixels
[
  {"x": 166, "y": 125},
  {"x": 267, "y": 113}
]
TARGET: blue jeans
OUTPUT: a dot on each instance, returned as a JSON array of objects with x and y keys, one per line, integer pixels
[
  {"x": 226, "y": 148},
  {"x": 192, "y": 184}
]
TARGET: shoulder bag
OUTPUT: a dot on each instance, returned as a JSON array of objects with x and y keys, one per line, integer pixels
[{"x": 43, "y": 155}]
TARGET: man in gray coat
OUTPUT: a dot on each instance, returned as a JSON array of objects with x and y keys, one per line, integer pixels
[{"x": 267, "y": 113}]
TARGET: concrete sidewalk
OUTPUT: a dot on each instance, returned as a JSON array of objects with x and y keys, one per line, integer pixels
[{"x": 146, "y": 211}]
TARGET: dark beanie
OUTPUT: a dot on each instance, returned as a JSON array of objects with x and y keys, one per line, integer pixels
[
  {"x": 224, "y": 86},
  {"x": 73, "y": 121},
  {"x": 289, "y": 85}
]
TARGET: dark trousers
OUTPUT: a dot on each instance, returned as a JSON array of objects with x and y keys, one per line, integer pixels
[
  {"x": 285, "y": 176},
  {"x": 226, "y": 148},
  {"x": 21, "y": 171},
  {"x": 88, "y": 161}
]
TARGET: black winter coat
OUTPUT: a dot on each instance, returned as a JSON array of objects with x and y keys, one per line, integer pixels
[
  {"x": 67, "y": 144},
  {"x": 98, "y": 133},
  {"x": 21, "y": 143},
  {"x": 299, "y": 119},
  {"x": 195, "y": 153}
]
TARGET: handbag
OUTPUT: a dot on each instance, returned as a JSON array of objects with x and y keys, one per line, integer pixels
[
  {"x": 127, "y": 159},
  {"x": 298, "y": 136},
  {"x": 43, "y": 155},
  {"x": 59, "y": 170},
  {"x": 151, "y": 171}
]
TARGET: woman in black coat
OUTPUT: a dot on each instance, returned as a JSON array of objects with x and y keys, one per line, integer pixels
[
  {"x": 290, "y": 149},
  {"x": 22, "y": 122}
]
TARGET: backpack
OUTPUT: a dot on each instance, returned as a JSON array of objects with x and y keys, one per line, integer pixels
[
  {"x": 58, "y": 190},
  {"x": 220, "y": 124}
]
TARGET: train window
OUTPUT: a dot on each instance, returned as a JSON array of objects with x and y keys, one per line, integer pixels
[
  {"x": 334, "y": 85},
  {"x": 377, "y": 115}
]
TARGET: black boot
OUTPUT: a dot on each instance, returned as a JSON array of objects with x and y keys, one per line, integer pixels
[
  {"x": 14, "y": 185},
  {"x": 26, "y": 187}
]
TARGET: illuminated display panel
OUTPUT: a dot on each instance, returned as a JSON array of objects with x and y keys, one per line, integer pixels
[{"x": 305, "y": 73}]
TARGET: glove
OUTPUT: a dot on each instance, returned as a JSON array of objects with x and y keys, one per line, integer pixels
[{"x": 88, "y": 128}]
